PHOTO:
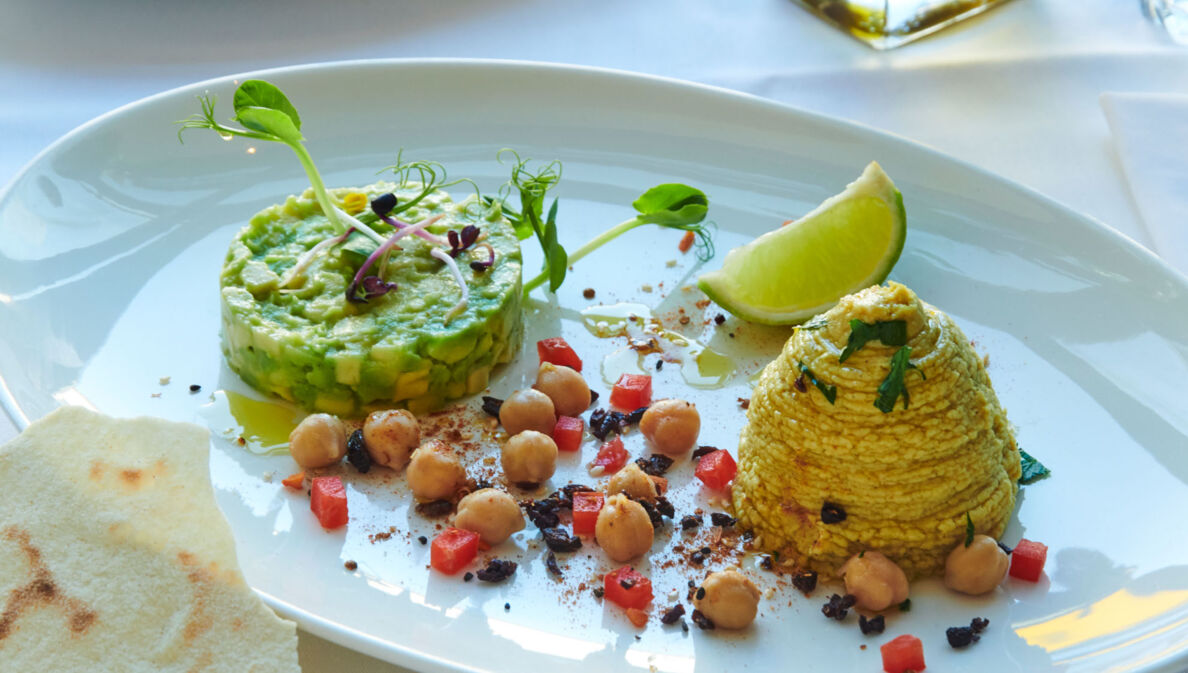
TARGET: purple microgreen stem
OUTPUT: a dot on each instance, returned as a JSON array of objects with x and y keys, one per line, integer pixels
[
  {"x": 481, "y": 266},
  {"x": 385, "y": 246}
]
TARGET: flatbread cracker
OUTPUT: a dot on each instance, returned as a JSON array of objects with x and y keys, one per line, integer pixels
[{"x": 114, "y": 556}]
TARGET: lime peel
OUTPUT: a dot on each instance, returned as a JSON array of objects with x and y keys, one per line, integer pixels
[{"x": 849, "y": 242}]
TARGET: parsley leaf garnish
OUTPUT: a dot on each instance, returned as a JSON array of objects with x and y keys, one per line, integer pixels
[
  {"x": 830, "y": 392},
  {"x": 969, "y": 530},
  {"x": 1033, "y": 470},
  {"x": 894, "y": 385},
  {"x": 890, "y": 332}
]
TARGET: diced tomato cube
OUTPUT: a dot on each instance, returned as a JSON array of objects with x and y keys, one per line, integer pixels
[
  {"x": 328, "y": 502},
  {"x": 1027, "y": 561},
  {"x": 627, "y": 588},
  {"x": 567, "y": 433},
  {"x": 716, "y": 469},
  {"x": 586, "y": 506},
  {"x": 557, "y": 351},
  {"x": 611, "y": 456},
  {"x": 453, "y": 550},
  {"x": 905, "y": 653},
  {"x": 632, "y": 391}
]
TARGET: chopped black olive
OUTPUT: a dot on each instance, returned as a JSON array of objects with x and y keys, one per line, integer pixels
[
  {"x": 653, "y": 513},
  {"x": 706, "y": 550},
  {"x": 671, "y": 615},
  {"x": 551, "y": 564},
  {"x": 435, "y": 508},
  {"x": 906, "y": 605},
  {"x": 357, "y": 454},
  {"x": 497, "y": 570},
  {"x": 767, "y": 563},
  {"x": 598, "y": 592},
  {"x": 468, "y": 576},
  {"x": 684, "y": 626},
  {"x": 722, "y": 519},
  {"x": 871, "y": 626},
  {"x": 960, "y": 636},
  {"x": 805, "y": 581},
  {"x": 800, "y": 385},
  {"x": 543, "y": 513},
  {"x": 559, "y": 540},
  {"x": 636, "y": 416},
  {"x": 656, "y": 464},
  {"x": 719, "y": 319},
  {"x": 593, "y": 397},
  {"x": 838, "y": 606},
  {"x": 506, "y": 607},
  {"x": 423, "y": 540},
  {"x": 492, "y": 405},
  {"x": 697, "y": 558},
  {"x": 627, "y": 583},
  {"x": 570, "y": 489},
  {"x": 978, "y": 624},
  {"x": 659, "y": 365},
  {"x": 701, "y": 451},
  {"x": 700, "y": 593},
  {"x": 1007, "y": 550},
  {"x": 194, "y": 387},
  {"x": 832, "y": 513},
  {"x": 665, "y": 507},
  {"x": 702, "y": 622},
  {"x": 692, "y": 584},
  {"x": 690, "y": 521}
]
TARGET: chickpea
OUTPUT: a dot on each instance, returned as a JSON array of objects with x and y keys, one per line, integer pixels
[
  {"x": 623, "y": 528},
  {"x": 633, "y": 481},
  {"x": 978, "y": 568},
  {"x": 875, "y": 581},
  {"x": 319, "y": 440},
  {"x": 730, "y": 599},
  {"x": 434, "y": 473},
  {"x": 491, "y": 513},
  {"x": 671, "y": 425},
  {"x": 565, "y": 387},
  {"x": 529, "y": 457},
  {"x": 528, "y": 410},
  {"x": 390, "y": 436}
]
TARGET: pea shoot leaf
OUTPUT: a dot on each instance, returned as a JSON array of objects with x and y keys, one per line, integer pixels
[
  {"x": 1033, "y": 470},
  {"x": 894, "y": 385},
  {"x": 255, "y": 93},
  {"x": 889, "y": 332},
  {"x": 273, "y": 122},
  {"x": 671, "y": 204}
]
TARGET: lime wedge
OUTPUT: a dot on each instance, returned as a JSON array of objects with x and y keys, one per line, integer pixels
[{"x": 847, "y": 243}]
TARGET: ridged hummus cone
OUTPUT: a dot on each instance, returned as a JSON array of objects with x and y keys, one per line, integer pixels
[{"x": 905, "y": 479}]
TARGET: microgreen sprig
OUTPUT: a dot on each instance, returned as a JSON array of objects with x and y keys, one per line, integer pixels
[
  {"x": 266, "y": 114},
  {"x": 674, "y": 206}
]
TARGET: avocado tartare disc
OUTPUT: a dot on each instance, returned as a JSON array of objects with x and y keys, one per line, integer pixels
[
  {"x": 308, "y": 344},
  {"x": 908, "y": 474}
]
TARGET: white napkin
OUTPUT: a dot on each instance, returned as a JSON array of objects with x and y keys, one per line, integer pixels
[{"x": 1151, "y": 135}]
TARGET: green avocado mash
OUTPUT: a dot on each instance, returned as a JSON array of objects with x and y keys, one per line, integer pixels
[{"x": 308, "y": 344}]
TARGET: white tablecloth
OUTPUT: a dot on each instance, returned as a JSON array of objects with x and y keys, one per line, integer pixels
[{"x": 1015, "y": 90}]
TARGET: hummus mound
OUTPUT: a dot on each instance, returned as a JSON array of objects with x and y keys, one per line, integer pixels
[{"x": 905, "y": 479}]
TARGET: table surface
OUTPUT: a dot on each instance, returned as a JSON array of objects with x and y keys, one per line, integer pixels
[{"x": 1014, "y": 90}]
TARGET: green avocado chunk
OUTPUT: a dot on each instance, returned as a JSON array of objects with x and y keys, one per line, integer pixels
[{"x": 306, "y": 343}]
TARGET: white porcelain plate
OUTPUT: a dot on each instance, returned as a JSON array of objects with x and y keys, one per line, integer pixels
[{"x": 111, "y": 243}]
